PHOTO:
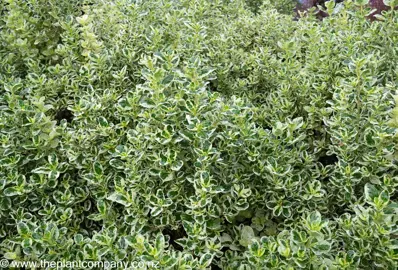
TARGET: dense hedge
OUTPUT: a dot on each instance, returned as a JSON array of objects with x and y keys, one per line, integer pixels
[{"x": 198, "y": 134}]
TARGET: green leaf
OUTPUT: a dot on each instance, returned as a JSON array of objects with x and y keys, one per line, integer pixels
[
  {"x": 101, "y": 239},
  {"x": 156, "y": 211},
  {"x": 95, "y": 217},
  {"x": 299, "y": 237},
  {"x": 256, "y": 249},
  {"x": 160, "y": 242},
  {"x": 98, "y": 169},
  {"x": 117, "y": 163},
  {"x": 371, "y": 192},
  {"x": 23, "y": 229},
  {"x": 78, "y": 238},
  {"x": 391, "y": 3},
  {"x": 168, "y": 79},
  {"x": 176, "y": 166},
  {"x": 361, "y": 2},
  {"x": 314, "y": 217},
  {"x": 53, "y": 160},
  {"x": 166, "y": 176},
  {"x": 119, "y": 198},
  {"x": 5, "y": 203},
  {"x": 3, "y": 183},
  {"x": 102, "y": 207},
  {"x": 10, "y": 255},
  {"x": 89, "y": 251},
  {"x": 102, "y": 121},
  {"x": 53, "y": 175},
  {"x": 284, "y": 250},
  {"x": 247, "y": 236},
  {"x": 27, "y": 243},
  {"x": 124, "y": 104},
  {"x": 205, "y": 260},
  {"x": 322, "y": 247},
  {"x": 12, "y": 191},
  {"x": 147, "y": 103}
]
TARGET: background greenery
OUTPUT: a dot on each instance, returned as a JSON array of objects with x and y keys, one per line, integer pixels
[{"x": 198, "y": 134}]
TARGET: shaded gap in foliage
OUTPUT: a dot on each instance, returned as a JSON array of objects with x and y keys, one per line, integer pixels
[
  {"x": 175, "y": 235},
  {"x": 63, "y": 113},
  {"x": 328, "y": 160}
]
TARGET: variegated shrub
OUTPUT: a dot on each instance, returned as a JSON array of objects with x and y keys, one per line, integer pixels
[{"x": 198, "y": 134}]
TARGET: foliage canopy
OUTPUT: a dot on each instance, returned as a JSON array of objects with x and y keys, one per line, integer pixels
[{"x": 198, "y": 134}]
